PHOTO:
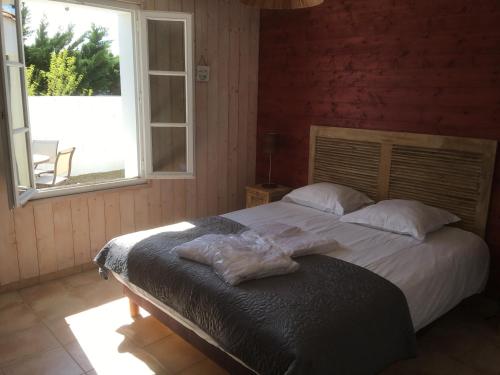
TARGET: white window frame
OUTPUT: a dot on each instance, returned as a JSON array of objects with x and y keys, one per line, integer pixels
[
  {"x": 18, "y": 198},
  {"x": 135, "y": 12},
  {"x": 187, "y": 18},
  {"x": 142, "y": 93}
]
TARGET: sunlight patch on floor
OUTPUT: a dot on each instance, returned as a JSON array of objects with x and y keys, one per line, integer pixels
[{"x": 108, "y": 351}]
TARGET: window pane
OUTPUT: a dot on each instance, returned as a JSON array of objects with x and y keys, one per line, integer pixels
[
  {"x": 168, "y": 99},
  {"x": 9, "y": 13},
  {"x": 166, "y": 45},
  {"x": 22, "y": 160},
  {"x": 169, "y": 149},
  {"x": 14, "y": 90}
]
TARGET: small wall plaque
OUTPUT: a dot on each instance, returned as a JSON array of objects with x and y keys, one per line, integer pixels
[{"x": 202, "y": 73}]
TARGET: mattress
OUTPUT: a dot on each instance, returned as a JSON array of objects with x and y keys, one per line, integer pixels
[{"x": 434, "y": 275}]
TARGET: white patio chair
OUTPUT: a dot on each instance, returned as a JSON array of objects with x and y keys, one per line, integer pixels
[
  {"x": 48, "y": 148},
  {"x": 62, "y": 170}
]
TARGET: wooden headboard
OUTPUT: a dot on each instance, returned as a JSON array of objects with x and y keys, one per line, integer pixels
[{"x": 452, "y": 173}]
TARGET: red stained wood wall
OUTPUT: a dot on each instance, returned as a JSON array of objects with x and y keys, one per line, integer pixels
[{"x": 424, "y": 66}]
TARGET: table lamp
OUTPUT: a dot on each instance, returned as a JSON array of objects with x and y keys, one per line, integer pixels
[{"x": 269, "y": 146}]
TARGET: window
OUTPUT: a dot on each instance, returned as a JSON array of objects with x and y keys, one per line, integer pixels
[
  {"x": 141, "y": 127},
  {"x": 169, "y": 88},
  {"x": 15, "y": 106}
]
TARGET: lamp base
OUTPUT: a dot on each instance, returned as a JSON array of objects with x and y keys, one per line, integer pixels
[{"x": 271, "y": 185}]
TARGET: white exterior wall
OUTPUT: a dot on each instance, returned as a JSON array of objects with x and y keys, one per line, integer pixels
[{"x": 92, "y": 124}]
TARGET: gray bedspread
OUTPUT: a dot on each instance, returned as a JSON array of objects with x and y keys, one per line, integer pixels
[{"x": 329, "y": 317}]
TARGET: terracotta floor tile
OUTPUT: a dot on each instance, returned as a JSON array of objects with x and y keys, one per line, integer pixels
[
  {"x": 33, "y": 340},
  {"x": 452, "y": 342},
  {"x": 205, "y": 367},
  {"x": 59, "y": 307},
  {"x": 16, "y": 317},
  {"x": 52, "y": 300},
  {"x": 9, "y": 299},
  {"x": 97, "y": 294},
  {"x": 485, "y": 358},
  {"x": 61, "y": 330},
  {"x": 52, "y": 362},
  {"x": 430, "y": 364},
  {"x": 125, "y": 360},
  {"x": 145, "y": 331},
  {"x": 90, "y": 318},
  {"x": 48, "y": 289},
  {"x": 174, "y": 353},
  {"x": 77, "y": 353},
  {"x": 106, "y": 349},
  {"x": 82, "y": 279}
]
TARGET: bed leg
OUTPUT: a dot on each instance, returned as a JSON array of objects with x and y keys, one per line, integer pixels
[{"x": 134, "y": 308}]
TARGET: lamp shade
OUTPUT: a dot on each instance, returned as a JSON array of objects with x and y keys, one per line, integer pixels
[
  {"x": 282, "y": 4},
  {"x": 270, "y": 142}
]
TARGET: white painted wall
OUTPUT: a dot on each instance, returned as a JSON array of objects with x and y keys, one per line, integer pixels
[{"x": 92, "y": 124}]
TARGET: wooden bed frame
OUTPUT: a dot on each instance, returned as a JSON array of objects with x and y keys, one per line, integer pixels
[
  {"x": 214, "y": 353},
  {"x": 448, "y": 172}
]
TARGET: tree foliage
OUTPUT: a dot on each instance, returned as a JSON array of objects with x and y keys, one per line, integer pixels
[
  {"x": 99, "y": 67},
  {"x": 62, "y": 77},
  {"x": 33, "y": 81},
  {"x": 61, "y": 64}
]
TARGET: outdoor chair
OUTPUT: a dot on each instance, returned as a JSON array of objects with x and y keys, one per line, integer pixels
[
  {"x": 62, "y": 170},
  {"x": 48, "y": 148}
]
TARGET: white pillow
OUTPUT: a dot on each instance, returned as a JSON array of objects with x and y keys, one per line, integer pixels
[
  {"x": 403, "y": 217},
  {"x": 324, "y": 196}
]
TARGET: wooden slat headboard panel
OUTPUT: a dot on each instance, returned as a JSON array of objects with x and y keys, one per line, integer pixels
[
  {"x": 453, "y": 173},
  {"x": 351, "y": 163}
]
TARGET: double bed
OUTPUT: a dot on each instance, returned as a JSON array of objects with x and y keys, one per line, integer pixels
[{"x": 433, "y": 275}]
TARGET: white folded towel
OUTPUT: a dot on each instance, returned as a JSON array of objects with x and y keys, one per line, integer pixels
[
  {"x": 237, "y": 259},
  {"x": 262, "y": 251},
  {"x": 236, "y": 266}
]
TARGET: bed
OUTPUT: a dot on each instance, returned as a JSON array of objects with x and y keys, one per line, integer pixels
[{"x": 434, "y": 275}]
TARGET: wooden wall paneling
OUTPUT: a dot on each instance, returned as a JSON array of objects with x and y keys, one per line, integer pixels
[
  {"x": 97, "y": 223},
  {"x": 148, "y": 4},
  {"x": 127, "y": 212},
  {"x": 141, "y": 209},
  {"x": 234, "y": 63},
  {"x": 201, "y": 112},
  {"x": 180, "y": 200},
  {"x": 174, "y": 5},
  {"x": 45, "y": 241},
  {"x": 154, "y": 203},
  {"x": 112, "y": 215},
  {"x": 213, "y": 111},
  {"x": 189, "y": 7},
  {"x": 223, "y": 120},
  {"x": 63, "y": 234},
  {"x": 243, "y": 82},
  {"x": 81, "y": 230},
  {"x": 167, "y": 201},
  {"x": 26, "y": 243}
]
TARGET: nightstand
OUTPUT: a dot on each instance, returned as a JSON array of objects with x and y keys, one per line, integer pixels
[{"x": 257, "y": 194}]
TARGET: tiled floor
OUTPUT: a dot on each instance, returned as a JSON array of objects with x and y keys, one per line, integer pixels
[{"x": 80, "y": 325}]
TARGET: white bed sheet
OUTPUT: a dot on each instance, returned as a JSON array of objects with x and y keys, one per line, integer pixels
[{"x": 435, "y": 275}]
